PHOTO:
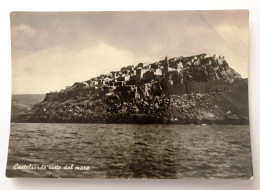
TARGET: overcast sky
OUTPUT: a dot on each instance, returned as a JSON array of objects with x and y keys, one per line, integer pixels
[{"x": 53, "y": 50}]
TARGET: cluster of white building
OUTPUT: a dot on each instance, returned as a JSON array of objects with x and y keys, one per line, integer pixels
[{"x": 145, "y": 73}]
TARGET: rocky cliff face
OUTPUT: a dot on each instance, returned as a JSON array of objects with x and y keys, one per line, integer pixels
[{"x": 196, "y": 89}]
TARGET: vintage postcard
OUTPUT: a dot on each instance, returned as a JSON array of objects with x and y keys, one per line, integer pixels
[{"x": 138, "y": 94}]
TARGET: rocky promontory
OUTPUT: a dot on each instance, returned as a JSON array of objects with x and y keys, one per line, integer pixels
[{"x": 185, "y": 90}]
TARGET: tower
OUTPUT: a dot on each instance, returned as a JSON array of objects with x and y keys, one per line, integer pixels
[{"x": 166, "y": 69}]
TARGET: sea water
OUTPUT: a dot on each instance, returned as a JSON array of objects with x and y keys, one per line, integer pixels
[{"x": 129, "y": 151}]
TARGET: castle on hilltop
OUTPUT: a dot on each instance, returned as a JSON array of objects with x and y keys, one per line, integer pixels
[{"x": 170, "y": 75}]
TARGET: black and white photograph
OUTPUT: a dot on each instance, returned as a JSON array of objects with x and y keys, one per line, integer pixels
[{"x": 130, "y": 94}]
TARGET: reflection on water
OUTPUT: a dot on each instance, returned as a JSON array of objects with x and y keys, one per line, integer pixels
[{"x": 131, "y": 151}]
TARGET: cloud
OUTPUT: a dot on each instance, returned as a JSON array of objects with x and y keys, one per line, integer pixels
[
  {"x": 64, "y": 43},
  {"x": 23, "y": 30}
]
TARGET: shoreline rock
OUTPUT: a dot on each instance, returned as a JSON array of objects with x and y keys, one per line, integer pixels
[
  {"x": 221, "y": 106},
  {"x": 195, "y": 89}
]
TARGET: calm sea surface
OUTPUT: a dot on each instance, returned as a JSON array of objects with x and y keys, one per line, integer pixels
[{"x": 129, "y": 151}]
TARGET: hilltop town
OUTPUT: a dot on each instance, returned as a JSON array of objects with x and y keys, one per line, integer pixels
[
  {"x": 169, "y": 76},
  {"x": 192, "y": 89}
]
